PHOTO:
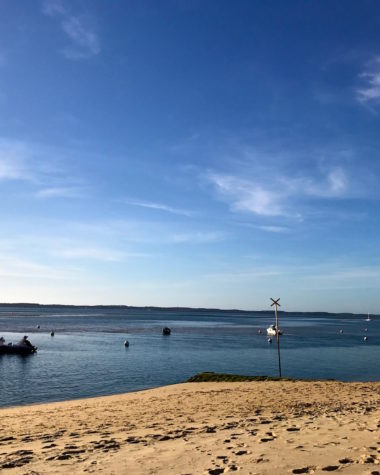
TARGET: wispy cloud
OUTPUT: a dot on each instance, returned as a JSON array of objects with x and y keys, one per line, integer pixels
[
  {"x": 10, "y": 170},
  {"x": 369, "y": 91},
  {"x": 337, "y": 183},
  {"x": 61, "y": 192},
  {"x": 274, "y": 229},
  {"x": 280, "y": 195},
  {"x": 249, "y": 274},
  {"x": 51, "y": 240},
  {"x": 13, "y": 162},
  {"x": 53, "y": 8},
  {"x": 247, "y": 196},
  {"x": 41, "y": 167},
  {"x": 196, "y": 237},
  {"x": 84, "y": 42},
  {"x": 12, "y": 266},
  {"x": 353, "y": 273},
  {"x": 158, "y": 206},
  {"x": 324, "y": 275},
  {"x": 95, "y": 253},
  {"x": 332, "y": 184},
  {"x": 268, "y": 228},
  {"x": 342, "y": 277}
]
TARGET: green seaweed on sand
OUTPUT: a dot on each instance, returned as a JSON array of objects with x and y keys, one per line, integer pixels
[
  {"x": 221, "y": 377},
  {"x": 209, "y": 376}
]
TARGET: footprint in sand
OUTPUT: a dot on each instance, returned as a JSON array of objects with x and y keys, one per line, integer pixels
[
  {"x": 346, "y": 460},
  {"x": 50, "y": 446},
  {"x": 62, "y": 456},
  {"x": 6, "y": 439},
  {"x": 18, "y": 459},
  {"x": 369, "y": 459},
  {"x": 330, "y": 468},
  {"x": 303, "y": 470},
  {"x": 27, "y": 439},
  {"x": 241, "y": 452},
  {"x": 215, "y": 471}
]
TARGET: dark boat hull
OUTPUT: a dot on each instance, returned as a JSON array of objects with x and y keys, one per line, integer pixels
[{"x": 17, "y": 350}]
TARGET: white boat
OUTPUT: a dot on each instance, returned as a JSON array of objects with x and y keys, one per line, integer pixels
[
  {"x": 271, "y": 330},
  {"x": 368, "y": 319}
]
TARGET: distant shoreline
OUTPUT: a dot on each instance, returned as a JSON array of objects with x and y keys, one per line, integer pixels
[{"x": 180, "y": 309}]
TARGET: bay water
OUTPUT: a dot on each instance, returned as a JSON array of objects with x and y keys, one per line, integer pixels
[{"x": 87, "y": 356}]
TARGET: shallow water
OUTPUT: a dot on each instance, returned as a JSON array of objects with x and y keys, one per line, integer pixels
[{"x": 87, "y": 357}]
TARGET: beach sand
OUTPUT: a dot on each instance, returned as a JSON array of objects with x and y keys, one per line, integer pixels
[{"x": 200, "y": 428}]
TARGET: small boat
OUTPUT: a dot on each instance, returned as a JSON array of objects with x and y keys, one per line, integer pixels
[
  {"x": 52, "y": 333},
  {"x": 271, "y": 330},
  {"x": 23, "y": 347},
  {"x": 126, "y": 343},
  {"x": 269, "y": 340},
  {"x": 368, "y": 319},
  {"x": 166, "y": 331},
  {"x": 365, "y": 338}
]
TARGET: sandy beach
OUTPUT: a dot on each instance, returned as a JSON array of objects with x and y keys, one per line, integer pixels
[{"x": 199, "y": 428}]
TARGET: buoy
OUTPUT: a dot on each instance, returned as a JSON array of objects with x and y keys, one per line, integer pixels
[
  {"x": 365, "y": 338},
  {"x": 259, "y": 332},
  {"x": 126, "y": 343},
  {"x": 365, "y": 329},
  {"x": 38, "y": 326},
  {"x": 52, "y": 333},
  {"x": 340, "y": 331},
  {"x": 269, "y": 340}
]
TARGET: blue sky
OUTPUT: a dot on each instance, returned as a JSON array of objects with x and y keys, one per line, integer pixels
[{"x": 192, "y": 153}]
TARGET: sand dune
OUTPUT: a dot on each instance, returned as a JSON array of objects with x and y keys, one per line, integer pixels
[{"x": 200, "y": 428}]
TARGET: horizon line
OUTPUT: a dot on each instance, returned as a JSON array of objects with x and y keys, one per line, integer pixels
[{"x": 156, "y": 307}]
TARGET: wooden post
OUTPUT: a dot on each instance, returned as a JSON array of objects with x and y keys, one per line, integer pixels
[{"x": 276, "y": 304}]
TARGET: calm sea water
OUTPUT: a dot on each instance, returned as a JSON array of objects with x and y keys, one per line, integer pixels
[{"x": 87, "y": 357}]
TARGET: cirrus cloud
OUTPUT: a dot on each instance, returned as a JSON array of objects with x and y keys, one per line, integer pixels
[
  {"x": 158, "y": 206},
  {"x": 280, "y": 196},
  {"x": 369, "y": 91},
  {"x": 84, "y": 42}
]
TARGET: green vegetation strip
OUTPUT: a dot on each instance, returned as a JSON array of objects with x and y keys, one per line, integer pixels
[
  {"x": 220, "y": 377},
  {"x": 209, "y": 376}
]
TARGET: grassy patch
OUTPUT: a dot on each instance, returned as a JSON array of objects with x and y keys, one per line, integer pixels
[
  {"x": 209, "y": 376},
  {"x": 221, "y": 377}
]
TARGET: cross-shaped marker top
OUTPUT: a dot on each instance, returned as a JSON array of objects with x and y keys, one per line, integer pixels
[{"x": 275, "y": 302}]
